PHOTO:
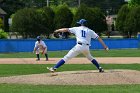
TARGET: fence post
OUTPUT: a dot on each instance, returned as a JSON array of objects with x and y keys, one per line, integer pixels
[{"x": 139, "y": 40}]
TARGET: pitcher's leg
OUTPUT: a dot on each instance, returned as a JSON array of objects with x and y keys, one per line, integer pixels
[
  {"x": 60, "y": 63},
  {"x": 72, "y": 53},
  {"x": 67, "y": 57},
  {"x": 94, "y": 61}
]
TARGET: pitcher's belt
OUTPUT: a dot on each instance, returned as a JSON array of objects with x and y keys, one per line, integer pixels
[{"x": 82, "y": 43}]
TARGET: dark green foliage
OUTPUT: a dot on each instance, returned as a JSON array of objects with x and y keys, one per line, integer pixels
[
  {"x": 94, "y": 16},
  {"x": 111, "y": 5},
  {"x": 25, "y": 22},
  {"x": 30, "y": 22},
  {"x": 99, "y": 21},
  {"x": 63, "y": 17},
  {"x": 1, "y": 23},
  {"x": 132, "y": 23},
  {"x": 71, "y": 3},
  {"x": 128, "y": 20},
  {"x": 120, "y": 22},
  {"x": 83, "y": 12},
  {"x": 10, "y": 6},
  {"x": 47, "y": 16},
  {"x": 133, "y": 3}
]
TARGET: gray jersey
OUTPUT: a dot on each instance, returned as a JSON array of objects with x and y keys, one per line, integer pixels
[{"x": 40, "y": 44}]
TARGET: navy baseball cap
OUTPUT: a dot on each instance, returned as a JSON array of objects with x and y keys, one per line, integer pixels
[
  {"x": 82, "y": 21},
  {"x": 38, "y": 37}
]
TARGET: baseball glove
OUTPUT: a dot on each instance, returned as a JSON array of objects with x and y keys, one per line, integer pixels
[{"x": 56, "y": 35}]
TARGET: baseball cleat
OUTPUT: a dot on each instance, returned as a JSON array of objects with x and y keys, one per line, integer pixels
[
  {"x": 51, "y": 69},
  {"x": 101, "y": 69},
  {"x": 37, "y": 59}
]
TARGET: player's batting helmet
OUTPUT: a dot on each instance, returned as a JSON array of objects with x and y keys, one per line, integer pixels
[
  {"x": 82, "y": 22},
  {"x": 38, "y": 38}
]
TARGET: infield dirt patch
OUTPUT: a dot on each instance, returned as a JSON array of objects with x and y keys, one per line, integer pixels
[
  {"x": 90, "y": 77},
  {"x": 104, "y": 60}
]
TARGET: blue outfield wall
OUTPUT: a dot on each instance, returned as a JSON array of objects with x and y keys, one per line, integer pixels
[{"x": 24, "y": 45}]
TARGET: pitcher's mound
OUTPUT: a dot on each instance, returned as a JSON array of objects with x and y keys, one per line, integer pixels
[{"x": 88, "y": 77}]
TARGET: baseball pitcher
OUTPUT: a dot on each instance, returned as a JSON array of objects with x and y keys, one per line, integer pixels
[{"x": 83, "y": 36}]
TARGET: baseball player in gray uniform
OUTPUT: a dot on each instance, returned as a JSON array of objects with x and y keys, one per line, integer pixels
[
  {"x": 40, "y": 46},
  {"x": 83, "y": 36}
]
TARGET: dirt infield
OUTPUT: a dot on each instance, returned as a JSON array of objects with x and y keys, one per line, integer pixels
[
  {"x": 91, "y": 77},
  {"x": 88, "y": 77},
  {"x": 104, "y": 60}
]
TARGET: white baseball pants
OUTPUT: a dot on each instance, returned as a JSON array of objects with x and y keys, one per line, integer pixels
[{"x": 76, "y": 50}]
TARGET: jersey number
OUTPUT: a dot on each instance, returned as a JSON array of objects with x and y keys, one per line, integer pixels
[{"x": 83, "y": 33}]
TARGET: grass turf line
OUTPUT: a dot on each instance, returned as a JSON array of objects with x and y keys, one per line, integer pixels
[
  {"x": 59, "y": 54},
  {"x": 18, "y": 88},
  {"x": 25, "y": 69}
]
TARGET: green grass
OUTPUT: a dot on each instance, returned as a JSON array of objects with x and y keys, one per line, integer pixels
[
  {"x": 24, "y": 69},
  {"x": 17, "y": 88},
  {"x": 59, "y": 54},
  {"x": 117, "y": 53}
]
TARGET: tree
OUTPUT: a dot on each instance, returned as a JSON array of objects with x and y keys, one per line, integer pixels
[
  {"x": 132, "y": 22},
  {"x": 71, "y": 3},
  {"x": 29, "y": 23},
  {"x": 63, "y": 18},
  {"x": 1, "y": 23},
  {"x": 133, "y": 3},
  {"x": 99, "y": 21},
  {"x": 11, "y": 6},
  {"x": 84, "y": 12},
  {"x": 111, "y": 5},
  {"x": 122, "y": 15},
  {"x": 95, "y": 18},
  {"x": 48, "y": 19}
]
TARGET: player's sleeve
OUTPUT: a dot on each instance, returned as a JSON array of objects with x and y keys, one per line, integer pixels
[
  {"x": 35, "y": 45},
  {"x": 43, "y": 44},
  {"x": 72, "y": 30},
  {"x": 94, "y": 35}
]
